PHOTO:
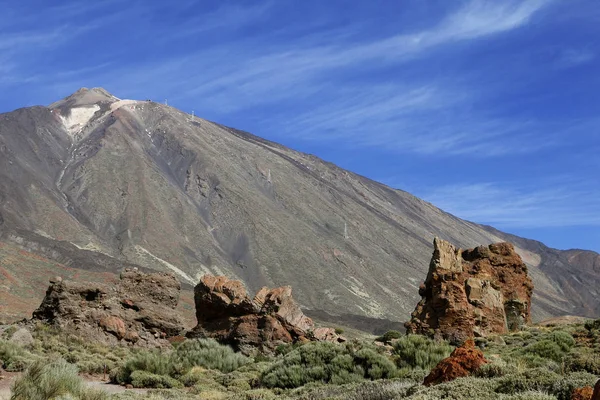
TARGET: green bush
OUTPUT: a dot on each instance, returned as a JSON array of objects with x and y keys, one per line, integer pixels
[
  {"x": 89, "y": 356},
  {"x": 416, "y": 351},
  {"x": 327, "y": 363},
  {"x": 552, "y": 346},
  {"x": 563, "y": 388},
  {"x": 154, "y": 362},
  {"x": 545, "y": 349},
  {"x": 14, "y": 358},
  {"x": 178, "y": 364},
  {"x": 144, "y": 379},
  {"x": 45, "y": 380},
  {"x": 535, "y": 379},
  {"x": 531, "y": 396},
  {"x": 493, "y": 370},
  {"x": 209, "y": 354},
  {"x": 592, "y": 324},
  {"x": 563, "y": 339},
  {"x": 468, "y": 388},
  {"x": 583, "y": 361},
  {"x": 8, "y": 332},
  {"x": 389, "y": 336},
  {"x": 539, "y": 379}
]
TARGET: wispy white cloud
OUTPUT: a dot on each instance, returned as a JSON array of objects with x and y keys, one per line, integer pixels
[
  {"x": 230, "y": 16},
  {"x": 243, "y": 75},
  {"x": 398, "y": 116},
  {"x": 573, "y": 57},
  {"x": 425, "y": 119},
  {"x": 563, "y": 203}
]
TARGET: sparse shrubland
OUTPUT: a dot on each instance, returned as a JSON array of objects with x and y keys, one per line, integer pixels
[
  {"x": 420, "y": 352},
  {"x": 177, "y": 364},
  {"x": 533, "y": 364},
  {"x": 14, "y": 358},
  {"x": 53, "y": 380},
  {"x": 328, "y": 363}
]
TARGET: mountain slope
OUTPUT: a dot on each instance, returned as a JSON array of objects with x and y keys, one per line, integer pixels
[{"x": 145, "y": 183}]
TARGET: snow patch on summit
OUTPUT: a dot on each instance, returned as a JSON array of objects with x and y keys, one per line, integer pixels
[{"x": 78, "y": 118}]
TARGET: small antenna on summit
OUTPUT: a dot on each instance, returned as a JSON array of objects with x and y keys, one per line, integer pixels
[
  {"x": 166, "y": 102},
  {"x": 192, "y": 114}
]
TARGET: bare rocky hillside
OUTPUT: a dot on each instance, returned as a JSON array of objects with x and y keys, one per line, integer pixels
[{"x": 97, "y": 183}]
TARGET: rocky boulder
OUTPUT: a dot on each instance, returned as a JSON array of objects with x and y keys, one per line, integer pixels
[
  {"x": 226, "y": 313},
  {"x": 139, "y": 309},
  {"x": 463, "y": 361},
  {"x": 474, "y": 292},
  {"x": 22, "y": 337},
  {"x": 584, "y": 393}
]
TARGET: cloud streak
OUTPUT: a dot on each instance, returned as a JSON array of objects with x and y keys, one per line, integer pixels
[
  {"x": 235, "y": 77},
  {"x": 562, "y": 204}
]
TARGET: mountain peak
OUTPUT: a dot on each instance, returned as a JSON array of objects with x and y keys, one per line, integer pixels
[{"x": 85, "y": 97}]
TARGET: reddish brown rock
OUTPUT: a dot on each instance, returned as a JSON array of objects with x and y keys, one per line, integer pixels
[
  {"x": 226, "y": 313},
  {"x": 216, "y": 296},
  {"x": 328, "y": 335},
  {"x": 140, "y": 309},
  {"x": 463, "y": 361},
  {"x": 114, "y": 325},
  {"x": 279, "y": 301},
  {"x": 584, "y": 393},
  {"x": 474, "y": 292}
]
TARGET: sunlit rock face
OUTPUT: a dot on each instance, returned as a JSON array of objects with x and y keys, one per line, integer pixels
[{"x": 473, "y": 293}]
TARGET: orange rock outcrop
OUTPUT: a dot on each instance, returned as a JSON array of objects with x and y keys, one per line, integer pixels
[
  {"x": 472, "y": 293},
  {"x": 462, "y": 362},
  {"x": 226, "y": 313}
]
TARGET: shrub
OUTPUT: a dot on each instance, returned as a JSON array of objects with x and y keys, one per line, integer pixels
[
  {"x": 531, "y": 396},
  {"x": 389, "y": 336},
  {"x": 563, "y": 339},
  {"x": 416, "y": 351},
  {"x": 563, "y": 388},
  {"x": 258, "y": 394},
  {"x": 89, "y": 356},
  {"x": 327, "y": 363},
  {"x": 14, "y": 358},
  {"x": 178, "y": 364},
  {"x": 592, "y": 324},
  {"x": 144, "y": 379},
  {"x": 208, "y": 353},
  {"x": 545, "y": 349},
  {"x": 468, "y": 388},
  {"x": 493, "y": 370},
  {"x": 535, "y": 379},
  {"x": 339, "y": 331},
  {"x": 542, "y": 380},
  {"x": 150, "y": 361},
  {"x": 45, "y": 380},
  {"x": 585, "y": 361},
  {"x": 8, "y": 332}
]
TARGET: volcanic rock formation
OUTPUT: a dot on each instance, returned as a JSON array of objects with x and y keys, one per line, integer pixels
[
  {"x": 473, "y": 292},
  {"x": 139, "y": 310},
  {"x": 463, "y": 361},
  {"x": 226, "y": 313}
]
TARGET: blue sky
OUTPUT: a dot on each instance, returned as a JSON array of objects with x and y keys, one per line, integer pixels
[{"x": 488, "y": 109}]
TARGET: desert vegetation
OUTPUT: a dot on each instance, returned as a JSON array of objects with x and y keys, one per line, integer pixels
[{"x": 537, "y": 363}]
